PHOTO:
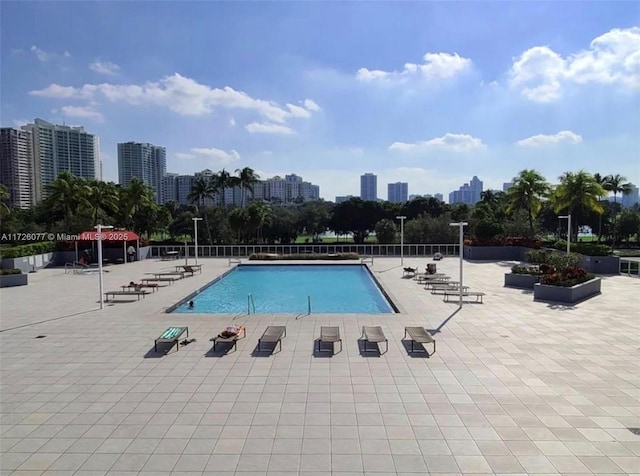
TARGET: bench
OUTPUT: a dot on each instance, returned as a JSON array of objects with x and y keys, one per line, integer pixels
[
  {"x": 125, "y": 293},
  {"x": 477, "y": 294},
  {"x": 233, "y": 339},
  {"x": 421, "y": 336},
  {"x": 452, "y": 288},
  {"x": 171, "y": 334}
]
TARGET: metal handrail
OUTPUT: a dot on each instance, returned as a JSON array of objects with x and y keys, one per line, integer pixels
[
  {"x": 308, "y": 305},
  {"x": 632, "y": 267},
  {"x": 250, "y": 304}
]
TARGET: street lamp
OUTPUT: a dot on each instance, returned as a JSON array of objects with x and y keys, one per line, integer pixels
[
  {"x": 568, "y": 217},
  {"x": 99, "y": 229},
  {"x": 401, "y": 218},
  {"x": 461, "y": 225},
  {"x": 195, "y": 232}
]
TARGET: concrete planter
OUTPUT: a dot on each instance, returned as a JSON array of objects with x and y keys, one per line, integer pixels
[
  {"x": 11, "y": 280},
  {"x": 601, "y": 264},
  {"x": 545, "y": 292},
  {"x": 521, "y": 281}
]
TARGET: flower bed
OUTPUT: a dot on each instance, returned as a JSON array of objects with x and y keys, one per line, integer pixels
[
  {"x": 12, "y": 277},
  {"x": 567, "y": 294}
]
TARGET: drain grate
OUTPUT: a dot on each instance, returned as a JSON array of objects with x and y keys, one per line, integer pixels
[
  {"x": 40, "y": 337},
  {"x": 635, "y": 431}
]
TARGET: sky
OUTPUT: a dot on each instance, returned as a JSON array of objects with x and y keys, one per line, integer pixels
[{"x": 429, "y": 93}]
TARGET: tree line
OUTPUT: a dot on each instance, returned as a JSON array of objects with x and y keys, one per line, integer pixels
[{"x": 529, "y": 209}]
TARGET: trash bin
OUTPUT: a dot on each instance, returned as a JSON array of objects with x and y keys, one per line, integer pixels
[{"x": 431, "y": 268}]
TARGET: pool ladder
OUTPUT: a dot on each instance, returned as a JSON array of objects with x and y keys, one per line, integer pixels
[
  {"x": 250, "y": 304},
  {"x": 308, "y": 305}
]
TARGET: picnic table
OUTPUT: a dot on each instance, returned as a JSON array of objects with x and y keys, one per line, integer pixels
[{"x": 169, "y": 255}]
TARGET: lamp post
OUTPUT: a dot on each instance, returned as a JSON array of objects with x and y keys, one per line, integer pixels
[
  {"x": 461, "y": 225},
  {"x": 401, "y": 218},
  {"x": 195, "y": 233},
  {"x": 568, "y": 217},
  {"x": 99, "y": 229}
]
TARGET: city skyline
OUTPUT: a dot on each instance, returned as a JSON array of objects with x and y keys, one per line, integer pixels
[{"x": 562, "y": 96}]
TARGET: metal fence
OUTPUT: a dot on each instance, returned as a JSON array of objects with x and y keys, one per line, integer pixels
[{"x": 230, "y": 251}]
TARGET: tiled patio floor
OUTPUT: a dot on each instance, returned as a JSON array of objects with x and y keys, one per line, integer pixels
[{"x": 515, "y": 387}]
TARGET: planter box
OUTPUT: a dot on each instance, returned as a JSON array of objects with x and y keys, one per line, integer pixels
[
  {"x": 601, "y": 264},
  {"x": 28, "y": 263},
  {"x": 11, "y": 280},
  {"x": 545, "y": 292},
  {"x": 521, "y": 281}
]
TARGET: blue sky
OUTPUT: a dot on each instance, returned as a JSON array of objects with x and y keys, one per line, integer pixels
[{"x": 427, "y": 93}]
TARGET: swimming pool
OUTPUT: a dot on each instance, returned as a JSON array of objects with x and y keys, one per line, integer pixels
[{"x": 288, "y": 288}]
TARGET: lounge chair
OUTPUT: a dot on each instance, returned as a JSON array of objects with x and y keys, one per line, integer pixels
[
  {"x": 139, "y": 286},
  {"x": 408, "y": 271},
  {"x": 456, "y": 294},
  {"x": 330, "y": 334},
  {"x": 113, "y": 294},
  {"x": 228, "y": 335},
  {"x": 421, "y": 336},
  {"x": 374, "y": 335},
  {"x": 168, "y": 279},
  {"x": 171, "y": 334},
  {"x": 272, "y": 334}
]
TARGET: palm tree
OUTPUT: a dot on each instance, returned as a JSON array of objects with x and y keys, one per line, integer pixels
[
  {"x": 603, "y": 181},
  {"x": 102, "y": 196},
  {"x": 578, "y": 193},
  {"x": 528, "y": 190},
  {"x": 617, "y": 184},
  {"x": 202, "y": 189},
  {"x": 246, "y": 178},
  {"x": 260, "y": 213},
  {"x": 222, "y": 181},
  {"x": 135, "y": 196},
  {"x": 69, "y": 193}
]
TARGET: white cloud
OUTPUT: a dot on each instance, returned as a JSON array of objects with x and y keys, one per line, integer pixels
[
  {"x": 435, "y": 66},
  {"x": 451, "y": 142},
  {"x": 232, "y": 122},
  {"x": 218, "y": 155},
  {"x": 180, "y": 94},
  {"x": 44, "y": 56},
  {"x": 20, "y": 122},
  {"x": 540, "y": 74},
  {"x": 268, "y": 128},
  {"x": 311, "y": 105},
  {"x": 562, "y": 137},
  {"x": 81, "y": 111},
  {"x": 104, "y": 67}
]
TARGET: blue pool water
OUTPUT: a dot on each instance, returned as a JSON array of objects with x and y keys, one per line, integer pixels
[{"x": 284, "y": 289}]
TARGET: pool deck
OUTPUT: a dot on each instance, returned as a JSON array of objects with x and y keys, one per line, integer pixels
[{"x": 515, "y": 387}]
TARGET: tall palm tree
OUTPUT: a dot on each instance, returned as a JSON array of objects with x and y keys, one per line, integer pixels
[
  {"x": 246, "y": 179},
  {"x": 617, "y": 184},
  {"x": 578, "y": 193},
  {"x": 222, "y": 181},
  {"x": 135, "y": 196},
  {"x": 102, "y": 197},
  {"x": 528, "y": 190},
  {"x": 260, "y": 214},
  {"x": 69, "y": 193},
  {"x": 202, "y": 189},
  {"x": 603, "y": 181}
]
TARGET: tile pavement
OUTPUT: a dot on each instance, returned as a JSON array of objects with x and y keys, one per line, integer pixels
[{"x": 516, "y": 386}]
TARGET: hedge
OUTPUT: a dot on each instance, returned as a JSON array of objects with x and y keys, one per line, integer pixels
[
  {"x": 10, "y": 271},
  {"x": 588, "y": 249},
  {"x": 28, "y": 250},
  {"x": 304, "y": 256}
]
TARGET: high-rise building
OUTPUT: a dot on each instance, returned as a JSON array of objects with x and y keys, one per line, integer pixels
[
  {"x": 145, "y": 161},
  {"x": 439, "y": 196},
  {"x": 397, "y": 192},
  {"x": 369, "y": 187},
  {"x": 343, "y": 198},
  {"x": 506, "y": 186},
  {"x": 59, "y": 149},
  {"x": 630, "y": 199},
  {"x": 469, "y": 193},
  {"x": 16, "y": 166}
]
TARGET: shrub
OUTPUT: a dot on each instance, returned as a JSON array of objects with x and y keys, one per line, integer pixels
[
  {"x": 537, "y": 256},
  {"x": 27, "y": 250},
  {"x": 560, "y": 279},
  {"x": 589, "y": 249},
  {"x": 304, "y": 256},
  {"x": 508, "y": 241},
  {"x": 563, "y": 270},
  {"x": 385, "y": 231},
  {"x": 533, "y": 270},
  {"x": 10, "y": 271}
]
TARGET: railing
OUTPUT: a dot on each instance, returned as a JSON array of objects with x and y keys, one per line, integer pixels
[
  {"x": 369, "y": 250},
  {"x": 629, "y": 267},
  {"x": 76, "y": 267},
  {"x": 234, "y": 260},
  {"x": 367, "y": 259},
  {"x": 250, "y": 304},
  {"x": 308, "y": 305}
]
